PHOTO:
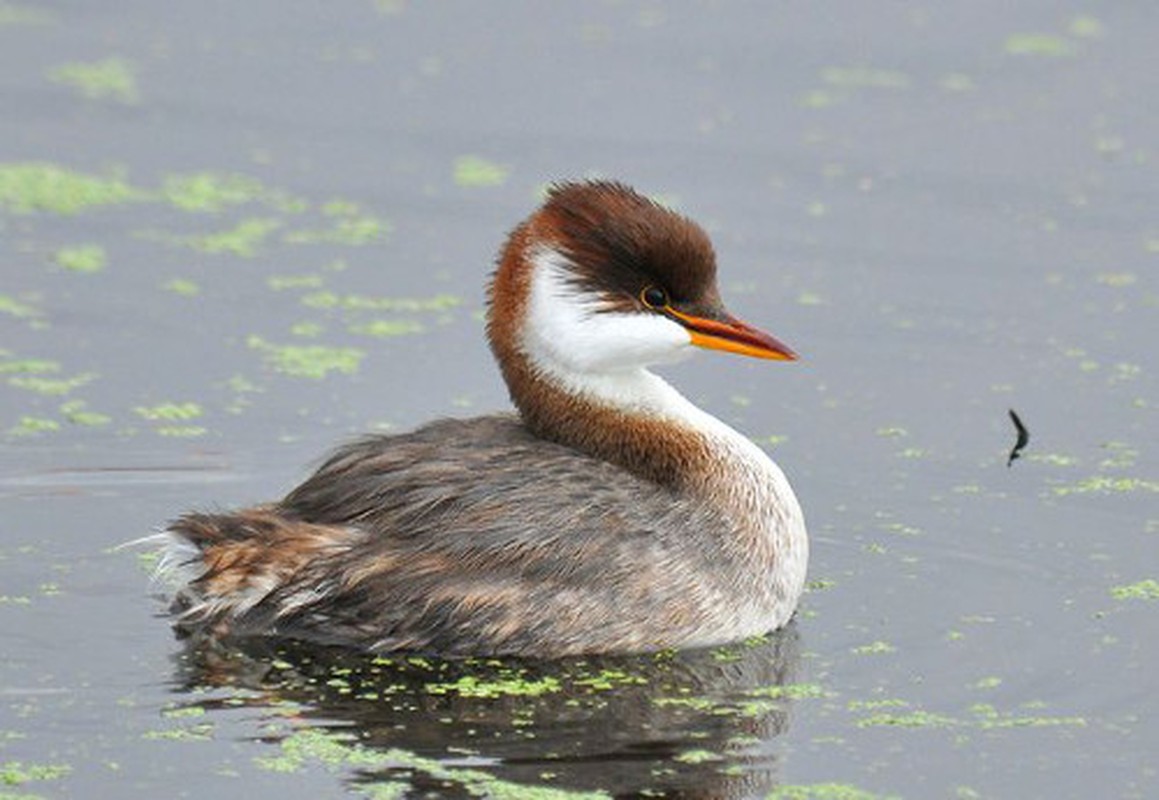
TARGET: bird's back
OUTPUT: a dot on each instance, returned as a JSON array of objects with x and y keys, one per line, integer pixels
[{"x": 465, "y": 536}]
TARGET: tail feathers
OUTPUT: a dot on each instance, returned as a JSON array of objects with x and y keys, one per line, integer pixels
[{"x": 226, "y": 564}]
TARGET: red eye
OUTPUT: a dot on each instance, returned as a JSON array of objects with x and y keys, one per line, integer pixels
[{"x": 654, "y": 297}]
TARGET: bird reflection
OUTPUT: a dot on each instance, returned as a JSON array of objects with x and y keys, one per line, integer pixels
[{"x": 679, "y": 724}]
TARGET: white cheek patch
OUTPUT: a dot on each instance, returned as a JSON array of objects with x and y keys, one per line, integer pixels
[{"x": 565, "y": 330}]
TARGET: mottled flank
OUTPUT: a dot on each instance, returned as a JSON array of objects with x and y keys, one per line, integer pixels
[
  {"x": 462, "y": 566},
  {"x": 240, "y": 558}
]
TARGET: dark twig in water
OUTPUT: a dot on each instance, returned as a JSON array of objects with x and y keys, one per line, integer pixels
[{"x": 1023, "y": 438}]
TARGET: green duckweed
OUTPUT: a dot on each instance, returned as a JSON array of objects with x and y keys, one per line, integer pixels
[
  {"x": 1147, "y": 589},
  {"x": 1039, "y": 44},
  {"x": 107, "y": 79},
  {"x": 474, "y": 171},
  {"x": 308, "y": 361},
  {"x": 38, "y": 186}
]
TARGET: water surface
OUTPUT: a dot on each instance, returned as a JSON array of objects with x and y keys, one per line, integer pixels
[{"x": 234, "y": 234}]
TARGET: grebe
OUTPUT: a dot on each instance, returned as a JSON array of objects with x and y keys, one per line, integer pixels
[{"x": 610, "y": 516}]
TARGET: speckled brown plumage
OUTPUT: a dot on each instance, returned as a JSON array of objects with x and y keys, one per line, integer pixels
[
  {"x": 470, "y": 570},
  {"x": 578, "y": 526}
]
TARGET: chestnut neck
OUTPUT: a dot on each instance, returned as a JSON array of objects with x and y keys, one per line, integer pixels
[{"x": 652, "y": 446}]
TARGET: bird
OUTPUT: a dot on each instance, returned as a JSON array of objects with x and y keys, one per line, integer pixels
[{"x": 607, "y": 515}]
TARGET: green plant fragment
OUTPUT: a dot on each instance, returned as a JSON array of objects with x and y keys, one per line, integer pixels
[
  {"x": 281, "y": 282},
  {"x": 170, "y": 411},
  {"x": 825, "y": 791},
  {"x": 181, "y": 286},
  {"x": 107, "y": 79},
  {"x": 82, "y": 258},
  {"x": 1085, "y": 27},
  {"x": 30, "y": 426},
  {"x": 474, "y": 171},
  {"x": 16, "y": 14},
  {"x": 211, "y": 192},
  {"x": 1104, "y": 484},
  {"x": 1147, "y": 589},
  {"x": 194, "y": 733},
  {"x": 13, "y": 307},
  {"x": 245, "y": 239},
  {"x": 355, "y": 230},
  {"x": 51, "y": 387},
  {"x": 27, "y": 366},
  {"x": 470, "y": 686},
  {"x": 336, "y": 751},
  {"x": 864, "y": 78},
  {"x": 308, "y": 361},
  {"x": 386, "y": 328},
  {"x": 76, "y": 412},
  {"x": 789, "y": 691},
  {"x": 181, "y": 431},
  {"x": 911, "y": 719},
  {"x": 17, "y": 773},
  {"x": 359, "y": 302},
  {"x": 39, "y": 186},
  {"x": 1039, "y": 44}
]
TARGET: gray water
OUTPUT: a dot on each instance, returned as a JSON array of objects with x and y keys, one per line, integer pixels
[{"x": 949, "y": 209}]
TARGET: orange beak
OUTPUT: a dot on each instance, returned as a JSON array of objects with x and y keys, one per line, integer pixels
[{"x": 733, "y": 336}]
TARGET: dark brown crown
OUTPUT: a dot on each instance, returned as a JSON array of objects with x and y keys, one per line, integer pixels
[{"x": 621, "y": 242}]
